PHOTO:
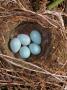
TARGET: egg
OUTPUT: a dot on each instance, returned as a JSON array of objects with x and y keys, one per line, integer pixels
[
  {"x": 15, "y": 45},
  {"x": 24, "y": 52},
  {"x": 35, "y": 49},
  {"x": 35, "y": 37},
  {"x": 24, "y": 39}
]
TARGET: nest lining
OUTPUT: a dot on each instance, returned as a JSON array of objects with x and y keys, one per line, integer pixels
[{"x": 26, "y": 28}]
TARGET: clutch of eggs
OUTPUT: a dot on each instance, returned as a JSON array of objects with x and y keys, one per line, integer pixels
[{"x": 26, "y": 45}]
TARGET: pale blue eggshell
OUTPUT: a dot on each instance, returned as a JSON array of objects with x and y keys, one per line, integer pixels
[
  {"x": 35, "y": 49},
  {"x": 35, "y": 37},
  {"x": 24, "y": 52},
  {"x": 24, "y": 39},
  {"x": 15, "y": 45}
]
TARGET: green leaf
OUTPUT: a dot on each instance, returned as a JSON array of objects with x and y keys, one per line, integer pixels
[{"x": 54, "y": 4}]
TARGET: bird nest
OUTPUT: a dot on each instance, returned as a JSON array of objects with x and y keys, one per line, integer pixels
[{"x": 41, "y": 72}]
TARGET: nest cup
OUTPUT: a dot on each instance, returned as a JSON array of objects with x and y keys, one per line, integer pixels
[{"x": 26, "y": 28}]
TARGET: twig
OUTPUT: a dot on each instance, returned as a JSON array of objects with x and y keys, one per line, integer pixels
[
  {"x": 53, "y": 84},
  {"x": 58, "y": 15},
  {"x": 48, "y": 20},
  {"x": 39, "y": 70},
  {"x": 20, "y": 5}
]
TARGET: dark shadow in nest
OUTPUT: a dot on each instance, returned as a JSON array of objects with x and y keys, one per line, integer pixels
[{"x": 26, "y": 28}]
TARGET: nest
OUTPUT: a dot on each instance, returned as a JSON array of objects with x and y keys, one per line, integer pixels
[{"x": 40, "y": 72}]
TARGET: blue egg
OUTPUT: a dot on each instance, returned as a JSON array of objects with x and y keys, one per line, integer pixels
[
  {"x": 35, "y": 37},
  {"x": 15, "y": 45},
  {"x": 24, "y": 52},
  {"x": 24, "y": 39},
  {"x": 35, "y": 49}
]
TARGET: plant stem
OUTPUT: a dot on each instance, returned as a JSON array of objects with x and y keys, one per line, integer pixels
[{"x": 54, "y": 4}]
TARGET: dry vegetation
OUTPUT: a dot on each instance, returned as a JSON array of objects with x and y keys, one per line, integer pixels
[{"x": 48, "y": 71}]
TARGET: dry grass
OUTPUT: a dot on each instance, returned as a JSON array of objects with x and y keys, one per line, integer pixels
[{"x": 46, "y": 72}]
